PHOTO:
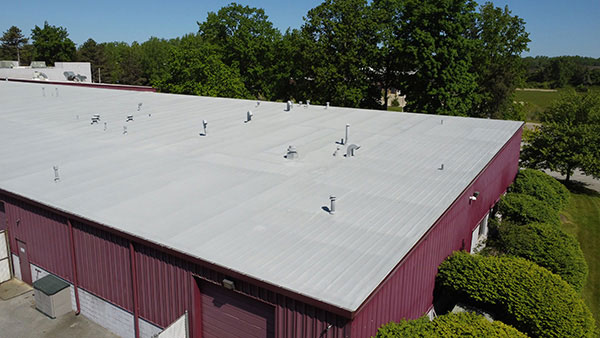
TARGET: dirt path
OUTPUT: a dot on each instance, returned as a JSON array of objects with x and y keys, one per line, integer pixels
[
  {"x": 588, "y": 181},
  {"x": 537, "y": 90}
]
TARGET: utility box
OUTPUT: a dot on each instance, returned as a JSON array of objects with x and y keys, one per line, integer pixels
[{"x": 52, "y": 296}]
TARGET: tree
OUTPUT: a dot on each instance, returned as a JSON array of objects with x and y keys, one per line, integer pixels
[
  {"x": 154, "y": 55},
  {"x": 338, "y": 48},
  {"x": 569, "y": 137},
  {"x": 52, "y": 44},
  {"x": 246, "y": 39},
  {"x": 194, "y": 67},
  {"x": 93, "y": 53},
  {"x": 500, "y": 39},
  {"x": 13, "y": 38},
  {"x": 450, "y": 325},
  {"x": 437, "y": 57},
  {"x": 519, "y": 293}
]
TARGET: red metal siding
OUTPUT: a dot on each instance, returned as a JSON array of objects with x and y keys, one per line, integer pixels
[
  {"x": 2, "y": 217},
  {"x": 163, "y": 286},
  {"x": 226, "y": 313},
  {"x": 165, "y": 291},
  {"x": 103, "y": 265},
  {"x": 408, "y": 290},
  {"x": 46, "y": 235}
]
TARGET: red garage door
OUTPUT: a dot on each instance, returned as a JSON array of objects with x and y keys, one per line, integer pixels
[{"x": 227, "y": 314}]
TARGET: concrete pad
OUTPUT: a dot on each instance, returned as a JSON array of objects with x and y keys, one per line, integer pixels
[
  {"x": 20, "y": 319},
  {"x": 13, "y": 288}
]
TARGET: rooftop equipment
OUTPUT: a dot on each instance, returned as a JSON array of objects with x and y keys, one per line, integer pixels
[
  {"x": 56, "y": 177},
  {"x": 291, "y": 153},
  {"x": 204, "y": 125},
  {"x": 52, "y": 296},
  {"x": 347, "y": 131},
  {"x": 332, "y": 206},
  {"x": 129, "y": 118},
  {"x": 351, "y": 149},
  {"x": 140, "y": 106},
  {"x": 249, "y": 116}
]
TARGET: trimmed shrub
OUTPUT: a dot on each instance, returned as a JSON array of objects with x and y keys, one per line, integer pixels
[
  {"x": 547, "y": 246},
  {"x": 521, "y": 293},
  {"x": 541, "y": 186},
  {"x": 450, "y": 325},
  {"x": 524, "y": 209}
]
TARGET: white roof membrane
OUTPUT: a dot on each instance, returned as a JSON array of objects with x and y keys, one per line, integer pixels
[{"x": 230, "y": 197}]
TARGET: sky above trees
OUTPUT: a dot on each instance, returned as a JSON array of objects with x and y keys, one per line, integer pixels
[{"x": 556, "y": 27}]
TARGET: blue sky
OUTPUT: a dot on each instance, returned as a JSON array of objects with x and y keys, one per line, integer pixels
[{"x": 556, "y": 27}]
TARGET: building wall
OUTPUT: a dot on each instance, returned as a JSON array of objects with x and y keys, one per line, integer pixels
[
  {"x": 55, "y": 73},
  {"x": 408, "y": 291}
]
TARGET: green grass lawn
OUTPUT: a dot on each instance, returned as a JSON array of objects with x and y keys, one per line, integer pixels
[
  {"x": 536, "y": 102},
  {"x": 582, "y": 219}
]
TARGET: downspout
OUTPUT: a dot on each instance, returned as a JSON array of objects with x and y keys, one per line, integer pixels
[
  {"x": 136, "y": 318},
  {"x": 74, "y": 266}
]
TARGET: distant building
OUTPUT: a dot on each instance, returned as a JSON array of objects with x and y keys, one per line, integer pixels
[
  {"x": 247, "y": 218},
  {"x": 62, "y": 71}
]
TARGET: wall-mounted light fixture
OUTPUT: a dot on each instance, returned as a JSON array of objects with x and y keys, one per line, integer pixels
[
  {"x": 228, "y": 284},
  {"x": 474, "y": 196}
]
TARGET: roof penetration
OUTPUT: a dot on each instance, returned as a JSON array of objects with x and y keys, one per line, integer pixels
[{"x": 231, "y": 197}]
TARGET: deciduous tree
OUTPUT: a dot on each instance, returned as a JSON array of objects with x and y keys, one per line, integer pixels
[
  {"x": 52, "y": 44},
  {"x": 569, "y": 137}
]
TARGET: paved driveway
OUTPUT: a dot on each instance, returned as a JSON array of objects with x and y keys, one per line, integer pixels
[{"x": 20, "y": 319}]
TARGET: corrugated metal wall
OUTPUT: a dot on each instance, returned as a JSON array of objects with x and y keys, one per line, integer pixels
[
  {"x": 103, "y": 264},
  {"x": 165, "y": 290},
  {"x": 408, "y": 291},
  {"x": 46, "y": 235}
]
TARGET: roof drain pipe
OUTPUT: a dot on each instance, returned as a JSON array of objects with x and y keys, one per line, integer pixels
[
  {"x": 136, "y": 312},
  {"x": 332, "y": 207},
  {"x": 74, "y": 266}
]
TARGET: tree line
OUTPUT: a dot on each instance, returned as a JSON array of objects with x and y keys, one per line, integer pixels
[
  {"x": 448, "y": 56},
  {"x": 562, "y": 71}
]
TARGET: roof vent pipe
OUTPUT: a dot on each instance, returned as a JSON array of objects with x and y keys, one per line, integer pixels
[
  {"x": 441, "y": 167},
  {"x": 204, "y": 125},
  {"x": 291, "y": 153},
  {"x": 327, "y": 105},
  {"x": 95, "y": 118},
  {"x": 307, "y": 103},
  {"x": 248, "y": 116},
  {"x": 140, "y": 106},
  {"x": 129, "y": 118},
  {"x": 351, "y": 149},
  {"x": 105, "y": 126},
  {"x": 56, "y": 178},
  {"x": 124, "y": 129},
  {"x": 43, "y": 92},
  {"x": 56, "y": 89},
  {"x": 347, "y": 131},
  {"x": 441, "y": 121},
  {"x": 332, "y": 206},
  {"x": 289, "y": 105}
]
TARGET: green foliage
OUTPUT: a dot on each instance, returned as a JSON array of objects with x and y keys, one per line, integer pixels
[
  {"x": 52, "y": 44},
  {"x": 338, "y": 44},
  {"x": 569, "y": 137},
  {"x": 93, "y": 53},
  {"x": 13, "y": 39},
  {"x": 194, "y": 67},
  {"x": 524, "y": 209},
  {"x": 547, "y": 246},
  {"x": 522, "y": 294},
  {"x": 246, "y": 39},
  {"x": 541, "y": 186},
  {"x": 500, "y": 38},
  {"x": 450, "y": 325},
  {"x": 438, "y": 56}
]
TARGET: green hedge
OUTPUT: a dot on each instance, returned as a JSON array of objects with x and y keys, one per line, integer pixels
[
  {"x": 547, "y": 246},
  {"x": 450, "y": 325},
  {"x": 541, "y": 186},
  {"x": 523, "y": 209},
  {"x": 519, "y": 292}
]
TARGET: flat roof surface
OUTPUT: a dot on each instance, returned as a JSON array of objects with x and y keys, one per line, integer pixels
[{"x": 231, "y": 198}]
